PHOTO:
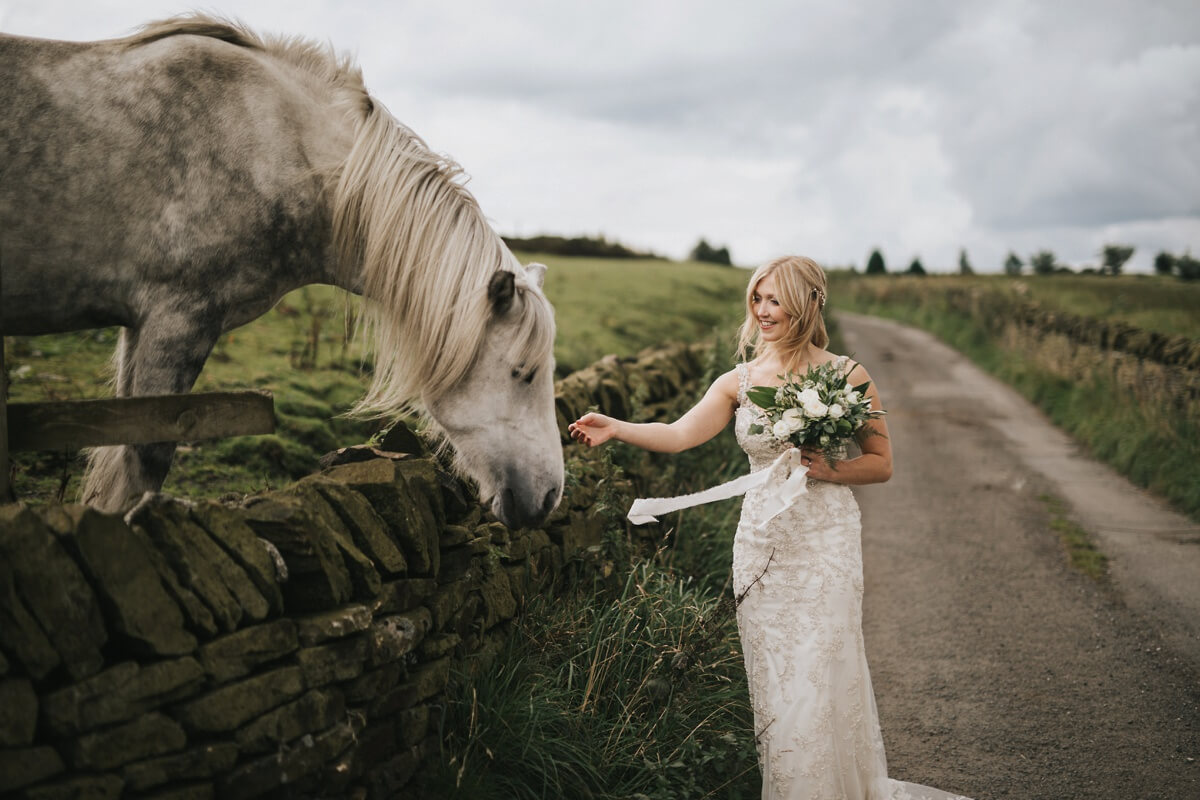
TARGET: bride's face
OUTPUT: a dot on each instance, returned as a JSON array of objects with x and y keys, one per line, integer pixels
[{"x": 772, "y": 319}]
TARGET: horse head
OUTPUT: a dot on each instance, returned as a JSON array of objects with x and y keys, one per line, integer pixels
[{"x": 499, "y": 417}]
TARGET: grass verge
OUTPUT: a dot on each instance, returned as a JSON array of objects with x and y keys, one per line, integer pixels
[
  {"x": 630, "y": 685},
  {"x": 1081, "y": 550},
  {"x": 1155, "y": 447}
]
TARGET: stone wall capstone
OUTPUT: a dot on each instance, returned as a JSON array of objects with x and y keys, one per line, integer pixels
[{"x": 295, "y": 645}]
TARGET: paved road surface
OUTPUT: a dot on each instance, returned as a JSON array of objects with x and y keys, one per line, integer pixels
[{"x": 1000, "y": 671}]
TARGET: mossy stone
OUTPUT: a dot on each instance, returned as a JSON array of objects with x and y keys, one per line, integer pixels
[
  {"x": 52, "y": 588},
  {"x": 121, "y": 566},
  {"x": 235, "y": 704}
]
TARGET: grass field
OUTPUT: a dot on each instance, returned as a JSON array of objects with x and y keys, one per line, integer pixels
[{"x": 620, "y": 306}]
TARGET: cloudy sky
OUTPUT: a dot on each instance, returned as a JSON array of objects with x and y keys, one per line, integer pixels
[{"x": 826, "y": 128}]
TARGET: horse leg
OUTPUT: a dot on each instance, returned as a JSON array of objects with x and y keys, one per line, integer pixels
[{"x": 163, "y": 356}]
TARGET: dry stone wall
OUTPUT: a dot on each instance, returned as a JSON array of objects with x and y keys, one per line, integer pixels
[
  {"x": 1161, "y": 371},
  {"x": 296, "y": 645}
]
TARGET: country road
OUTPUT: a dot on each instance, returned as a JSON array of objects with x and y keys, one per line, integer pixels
[{"x": 999, "y": 670}]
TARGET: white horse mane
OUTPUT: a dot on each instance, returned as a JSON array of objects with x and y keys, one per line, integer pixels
[{"x": 402, "y": 212}]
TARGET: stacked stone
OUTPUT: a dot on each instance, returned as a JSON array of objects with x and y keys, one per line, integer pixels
[{"x": 301, "y": 641}]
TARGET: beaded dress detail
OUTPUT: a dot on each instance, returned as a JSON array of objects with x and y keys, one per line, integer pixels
[{"x": 799, "y": 586}]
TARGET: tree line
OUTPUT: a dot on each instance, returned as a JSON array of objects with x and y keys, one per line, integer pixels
[
  {"x": 593, "y": 246},
  {"x": 1113, "y": 258},
  {"x": 601, "y": 247}
]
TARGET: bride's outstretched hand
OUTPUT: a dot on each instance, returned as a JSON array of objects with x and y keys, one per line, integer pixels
[{"x": 593, "y": 429}]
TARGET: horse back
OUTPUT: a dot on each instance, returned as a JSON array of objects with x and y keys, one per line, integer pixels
[{"x": 187, "y": 169}]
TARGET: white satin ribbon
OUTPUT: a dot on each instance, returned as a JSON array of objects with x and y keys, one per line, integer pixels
[{"x": 786, "y": 468}]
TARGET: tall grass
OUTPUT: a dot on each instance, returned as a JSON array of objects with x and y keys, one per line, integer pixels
[
  {"x": 626, "y": 686},
  {"x": 608, "y": 694}
]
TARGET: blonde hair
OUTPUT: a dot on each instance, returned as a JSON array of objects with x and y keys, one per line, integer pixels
[{"x": 800, "y": 290}]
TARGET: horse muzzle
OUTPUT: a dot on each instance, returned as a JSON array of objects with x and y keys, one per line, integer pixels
[{"x": 522, "y": 509}]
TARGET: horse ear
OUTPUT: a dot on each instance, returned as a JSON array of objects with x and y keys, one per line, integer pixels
[
  {"x": 501, "y": 288},
  {"x": 537, "y": 272}
]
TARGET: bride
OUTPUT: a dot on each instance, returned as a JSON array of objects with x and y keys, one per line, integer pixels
[{"x": 797, "y": 577}]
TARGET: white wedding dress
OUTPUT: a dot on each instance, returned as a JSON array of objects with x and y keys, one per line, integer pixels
[{"x": 799, "y": 584}]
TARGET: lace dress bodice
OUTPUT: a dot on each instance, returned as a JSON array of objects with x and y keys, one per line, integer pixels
[{"x": 825, "y": 503}]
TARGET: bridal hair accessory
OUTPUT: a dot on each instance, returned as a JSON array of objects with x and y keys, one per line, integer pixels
[{"x": 820, "y": 295}]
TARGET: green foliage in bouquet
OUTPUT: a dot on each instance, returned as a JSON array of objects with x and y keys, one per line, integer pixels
[{"x": 819, "y": 410}]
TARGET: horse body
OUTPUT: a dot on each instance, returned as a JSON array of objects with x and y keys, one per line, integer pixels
[
  {"x": 179, "y": 182},
  {"x": 173, "y": 174}
]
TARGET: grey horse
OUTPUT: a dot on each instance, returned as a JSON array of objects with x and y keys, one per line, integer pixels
[{"x": 179, "y": 181}]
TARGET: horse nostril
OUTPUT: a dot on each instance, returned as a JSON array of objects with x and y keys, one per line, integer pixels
[{"x": 548, "y": 503}]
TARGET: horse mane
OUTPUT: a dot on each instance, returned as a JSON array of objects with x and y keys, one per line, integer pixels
[{"x": 403, "y": 214}]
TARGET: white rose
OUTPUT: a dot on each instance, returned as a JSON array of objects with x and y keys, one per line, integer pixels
[
  {"x": 815, "y": 408},
  {"x": 809, "y": 396},
  {"x": 852, "y": 398},
  {"x": 794, "y": 417},
  {"x": 836, "y": 411},
  {"x": 781, "y": 429}
]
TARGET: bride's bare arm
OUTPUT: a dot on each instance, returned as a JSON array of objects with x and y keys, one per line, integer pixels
[
  {"x": 704, "y": 421},
  {"x": 875, "y": 463}
]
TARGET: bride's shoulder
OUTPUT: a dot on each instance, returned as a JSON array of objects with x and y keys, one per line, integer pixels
[{"x": 729, "y": 382}]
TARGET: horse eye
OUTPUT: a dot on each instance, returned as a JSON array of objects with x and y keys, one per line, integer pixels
[
  {"x": 529, "y": 377},
  {"x": 516, "y": 373}
]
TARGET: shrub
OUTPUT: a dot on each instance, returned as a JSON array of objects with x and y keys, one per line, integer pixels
[
  {"x": 1164, "y": 263},
  {"x": 1114, "y": 257},
  {"x": 875, "y": 265},
  {"x": 1042, "y": 262},
  {"x": 705, "y": 252},
  {"x": 964, "y": 265},
  {"x": 1012, "y": 264},
  {"x": 1188, "y": 267}
]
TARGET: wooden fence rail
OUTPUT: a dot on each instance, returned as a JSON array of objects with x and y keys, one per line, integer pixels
[{"x": 75, "y": 424}]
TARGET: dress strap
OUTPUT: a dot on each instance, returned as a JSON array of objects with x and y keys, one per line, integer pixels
[{"x": 743, "y": 383}]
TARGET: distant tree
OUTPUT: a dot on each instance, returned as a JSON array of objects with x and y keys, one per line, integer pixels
[
  {"x": 1164, "y": 263},
  {"x": 1115, "y": 256},
  {"x": 1042, "y": 262},
  {"x": 964, "y": 265},
  {"x": 703, "y": 251},
  {"x": 875, "y": 264},
  {"x": 916, "y": 267},
  {"x": 1013, "y": 264},
  {"x": 1187, "y": 267}
]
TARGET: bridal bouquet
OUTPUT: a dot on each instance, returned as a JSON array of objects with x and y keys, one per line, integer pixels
[{"x": 818, "y": 410}]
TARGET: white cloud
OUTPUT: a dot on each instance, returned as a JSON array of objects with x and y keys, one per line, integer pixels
[{"x": 823, "y": 128}]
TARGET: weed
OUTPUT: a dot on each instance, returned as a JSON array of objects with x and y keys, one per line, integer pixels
[{"x": 1081, "y": 550}]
